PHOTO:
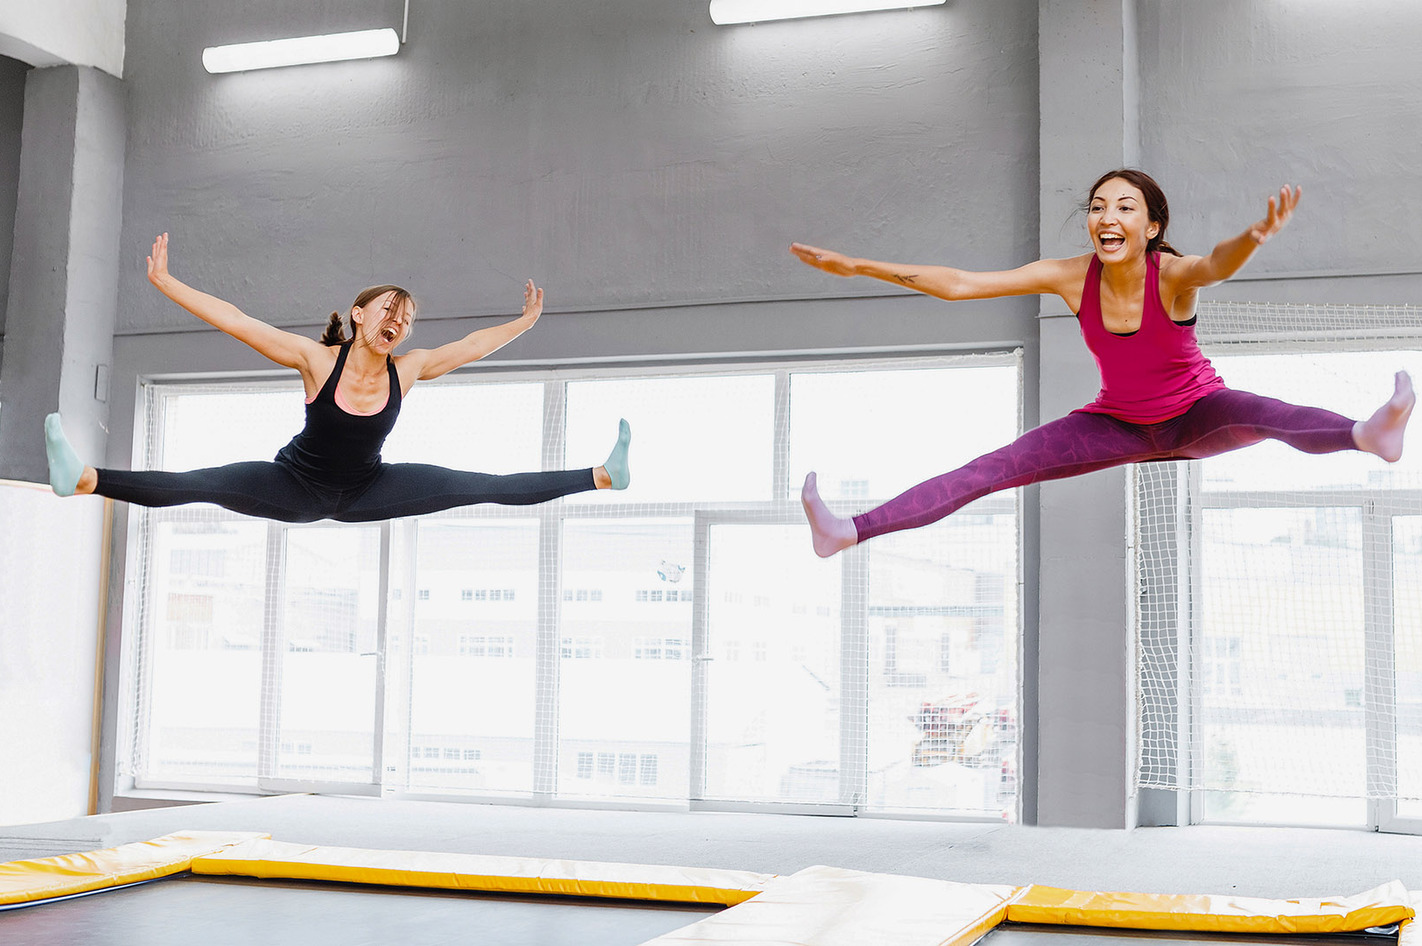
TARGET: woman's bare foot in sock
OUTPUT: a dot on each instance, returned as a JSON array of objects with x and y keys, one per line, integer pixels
[
  {"x": 1382, "y": 433},
  {"x": 830, "y": 533}
]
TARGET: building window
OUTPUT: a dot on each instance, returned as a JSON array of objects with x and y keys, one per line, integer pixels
[
  {"x": 484, "y": 645},
  {"x": 580, "y": 648},
  {"x": 659, "y": 648}
]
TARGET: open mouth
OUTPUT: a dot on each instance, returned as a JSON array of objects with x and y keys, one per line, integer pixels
[
  {"x": 1111, "y": 241},
  {"x": 389, "y": 334}
]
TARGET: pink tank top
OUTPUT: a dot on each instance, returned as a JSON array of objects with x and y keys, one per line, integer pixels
[{"x": 1154, "y": 373}]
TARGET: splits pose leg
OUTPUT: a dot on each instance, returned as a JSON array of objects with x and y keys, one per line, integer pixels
[
  {"x": 1084, "y": 442},
  {"x": 273, "y": 491}
]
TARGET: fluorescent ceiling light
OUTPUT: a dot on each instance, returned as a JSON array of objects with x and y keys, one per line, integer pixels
[
  {"x": 755, "y": 11},
  {"x": 364, "y": 44}
]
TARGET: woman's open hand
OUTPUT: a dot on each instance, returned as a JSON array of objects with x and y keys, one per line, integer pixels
[
  {"x": 1280, "y": 209},
  {"x": 158, "y": 260},
  {"x": 532, "y": 301}
]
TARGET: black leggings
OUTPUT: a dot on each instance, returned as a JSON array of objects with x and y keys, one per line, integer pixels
[{"x": 274, "y": 491}]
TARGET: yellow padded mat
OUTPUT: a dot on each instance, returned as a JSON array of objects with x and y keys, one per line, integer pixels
[
  {"x": 1380, "y": 906},
  {"x": 276, "y": 859},
  {"x": 45, "y": 878},
  {"x": 830, "y": 906}
]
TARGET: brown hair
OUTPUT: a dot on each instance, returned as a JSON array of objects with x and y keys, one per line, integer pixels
[
  {"x": 1157, "y": 208},
  {"x": 335, "y": 333}
]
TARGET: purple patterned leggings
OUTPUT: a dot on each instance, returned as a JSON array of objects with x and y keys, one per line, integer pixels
[{"x": 1082, "y": 442}]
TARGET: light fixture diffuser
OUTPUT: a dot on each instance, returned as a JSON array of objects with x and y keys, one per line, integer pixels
[
  {"x": 299, "y": 50},
  {"x": 724, "y": 12}
]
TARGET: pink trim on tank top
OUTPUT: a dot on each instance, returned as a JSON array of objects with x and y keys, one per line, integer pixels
[{"x": 345, "y": 405}]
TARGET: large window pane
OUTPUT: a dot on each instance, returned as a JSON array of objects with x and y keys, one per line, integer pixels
[
  {"x": 327, "y": 693},
  {"x": 206, "y": 597},
  {"x": 873, "y": 434},
  {"x": 1281, "y": 666},
  {"x": 487, "y": 427},
  {"x": 693, "y": 439},
  {"x": 625, "y": 658},
  {"x": 1353, "y": 384},
  {"x": 472, "y": 688},
  {"x": 205, "y": 428},
  {"x": 773, "y": 698},
  {"x": 943, "y": 666}
]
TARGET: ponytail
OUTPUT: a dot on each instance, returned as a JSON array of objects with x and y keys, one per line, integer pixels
[
  {"x": 335, "y": 333},
  {"x": 1164, "y": 247}
]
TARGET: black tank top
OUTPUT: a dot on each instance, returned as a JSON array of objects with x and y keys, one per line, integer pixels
[{"x": 338, "y": 449}]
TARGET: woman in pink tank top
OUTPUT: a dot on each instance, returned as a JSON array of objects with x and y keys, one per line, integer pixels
[{"x": 1135, "y": 297}]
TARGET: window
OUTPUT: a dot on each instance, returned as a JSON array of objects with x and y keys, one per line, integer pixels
[
  {"x": 1277, "y": 574},
  {"x": 581, "y": 648},
  {"x": 660, "y": 648},
  {"x": 617, "y": 687},
  {"x": 482, "y": 645}
]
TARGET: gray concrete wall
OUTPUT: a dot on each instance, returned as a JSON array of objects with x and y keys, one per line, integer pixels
[
  {"x": 64, "y": 266},
  {"x": 1242, "y": 98},
  {"x": 12, "y": 117},
  {"x": 625, "y": 153}
]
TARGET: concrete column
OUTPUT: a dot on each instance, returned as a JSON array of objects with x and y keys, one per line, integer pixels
[
  {"x": 1086, "y": 683},
  {"x": 64, "y": 267}
]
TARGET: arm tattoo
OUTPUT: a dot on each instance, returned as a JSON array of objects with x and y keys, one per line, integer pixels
[{"x": 906, "y": 278}]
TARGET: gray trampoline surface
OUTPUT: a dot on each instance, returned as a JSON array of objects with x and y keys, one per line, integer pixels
[
  {"x": 1032, "y": 934},
  {"x": 212, "y": 911}
]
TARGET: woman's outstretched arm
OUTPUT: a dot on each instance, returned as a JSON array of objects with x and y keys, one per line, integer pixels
[
  {"x": 283, "y": 347},
  {"x": 1229, "y": 256},
  {"x": 1059, "y": 276},
  {"x": 430, "y": 363}
]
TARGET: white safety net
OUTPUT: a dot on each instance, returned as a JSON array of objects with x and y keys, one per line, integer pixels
[{"x": 1279, "y": 617}]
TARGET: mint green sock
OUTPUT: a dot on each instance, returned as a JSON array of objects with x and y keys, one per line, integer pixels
[
  {"x": 65, "y": 467},
  {"x": 616, "y": 464}
]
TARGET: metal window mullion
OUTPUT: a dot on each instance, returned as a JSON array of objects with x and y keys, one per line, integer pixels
[
  {"x": 1379, "y": 683},
  {"x": 399, "y": 672},
  {"x": 550, "y": 548},
  {"x": 1195, "y": 687},
  {"x": 145, "y": 528},
  {"x": 382, "y": 622},
  {"x": 700, "y": 655},
  {"x": 273, "y": 617},
  {"x": 854, "y": 676}
]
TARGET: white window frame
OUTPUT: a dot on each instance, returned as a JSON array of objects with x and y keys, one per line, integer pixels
[{"x": 401, "y": 595}]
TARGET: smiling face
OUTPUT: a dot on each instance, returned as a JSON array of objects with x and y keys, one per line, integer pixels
[
  {"x": 385, "y": 320},
  {"x": 1119, "y": 221}
]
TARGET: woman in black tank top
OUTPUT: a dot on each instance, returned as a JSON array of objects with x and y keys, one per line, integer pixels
[{"x": 332, "y": 469}]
